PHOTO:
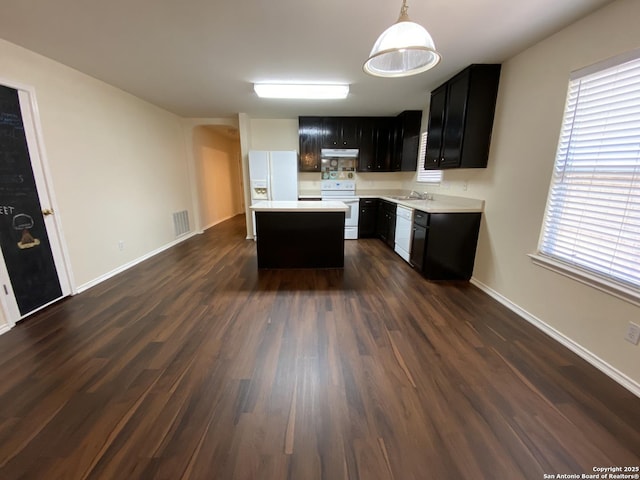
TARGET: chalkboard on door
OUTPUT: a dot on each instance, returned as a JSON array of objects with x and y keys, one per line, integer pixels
[{"x": 23, "y": 236}]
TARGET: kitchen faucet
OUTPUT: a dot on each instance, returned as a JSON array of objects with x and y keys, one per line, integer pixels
[{"x": 420, "y": 196}]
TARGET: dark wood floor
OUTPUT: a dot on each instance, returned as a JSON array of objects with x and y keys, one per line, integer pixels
[{"x": 194, "y": 365}]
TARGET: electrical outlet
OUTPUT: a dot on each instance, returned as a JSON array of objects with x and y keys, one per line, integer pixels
[
  {"x": 633, "y": 333},
  {"x": 465, "y": 184},
  {"x": 121, "y": 245}
]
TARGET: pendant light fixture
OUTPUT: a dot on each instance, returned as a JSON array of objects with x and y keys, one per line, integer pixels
[{"x": 403, "y": 49}]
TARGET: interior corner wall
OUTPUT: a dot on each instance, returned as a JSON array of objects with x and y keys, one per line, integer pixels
[
  {"x": 274, "y": 134},
  {"x": 515, "y": 185},
  {"x": 118, "y": 164},
  {"x": 219, "y": 176},
  {"x": 265, "y": 134}
]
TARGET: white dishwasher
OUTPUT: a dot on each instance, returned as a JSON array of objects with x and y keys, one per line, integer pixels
[{"x": 404, "y": 229}]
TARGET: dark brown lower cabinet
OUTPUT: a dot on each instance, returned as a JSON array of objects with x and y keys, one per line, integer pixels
[
  {"x": 367, "y": 217},
  {"x": 300, "y": 239},
  {"x": 446, "y": 248},
  {"x": 419, "y": 239},
  {"x": 386, "y": 224}
]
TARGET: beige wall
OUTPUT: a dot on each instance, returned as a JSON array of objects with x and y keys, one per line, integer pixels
[
  {"x": 219, "y": 176},
  {"x": 118, "y": 164},
  {"x": 273, "y": 134},
  {"x": 264, "y": 134},
  {"x": 533, "y": 85}
]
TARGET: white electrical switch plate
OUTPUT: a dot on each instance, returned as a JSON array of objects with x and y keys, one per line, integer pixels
[{"x": 633, "y": 333}]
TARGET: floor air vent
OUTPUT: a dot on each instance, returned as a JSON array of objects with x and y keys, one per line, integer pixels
[{"x": 181, "y": 222}]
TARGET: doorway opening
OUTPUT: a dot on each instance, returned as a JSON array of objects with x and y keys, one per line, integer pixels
[{"x": 219, "y": 173}]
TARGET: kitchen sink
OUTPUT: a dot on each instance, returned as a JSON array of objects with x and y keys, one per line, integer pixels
[
  {"x": 403, "y": 197},
  {"x": 413, "y": 196}
]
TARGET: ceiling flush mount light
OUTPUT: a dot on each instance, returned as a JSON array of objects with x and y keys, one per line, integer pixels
[
  {"x": 403, "y": 49},
  {"x": 313, "y": 92}
]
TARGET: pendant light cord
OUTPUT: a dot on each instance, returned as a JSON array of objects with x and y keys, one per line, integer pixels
[{"x": 404, "y": 16}]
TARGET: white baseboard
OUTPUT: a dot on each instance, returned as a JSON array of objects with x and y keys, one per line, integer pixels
[
  {"x": 604, "y": 367},
  {"x": 5, "y": 328},
  {"x": 132, "y": 263}
]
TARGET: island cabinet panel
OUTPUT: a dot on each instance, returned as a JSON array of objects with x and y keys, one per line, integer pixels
[
  {"x": 300, "y": 239},
  {"x": 461, "y": 119},
  {"x": 310, "y": 140}
]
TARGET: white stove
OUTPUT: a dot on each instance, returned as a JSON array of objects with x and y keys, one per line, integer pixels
[{"x": 344, "y": 191}]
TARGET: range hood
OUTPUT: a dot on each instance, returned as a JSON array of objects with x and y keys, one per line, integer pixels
[{"x": 339, "y": 153}]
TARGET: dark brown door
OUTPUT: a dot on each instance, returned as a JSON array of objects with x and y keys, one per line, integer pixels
[
  {"x": 436, "y": 128},
  {"x": 457, "y": 96}
]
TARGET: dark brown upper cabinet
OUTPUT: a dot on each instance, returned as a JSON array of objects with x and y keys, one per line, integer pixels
[
  {"x": 386, "y": 144},
  {"x": 461, "y": 119},
  {"x": 367, "y": 154},
  {"x": 310, "y": 138},
  {"x": 341, "y": 132},
  {"x": 375, "y": 144},
  {"x": 385, "y": 131},
  {"x": 406, "y": 141}
]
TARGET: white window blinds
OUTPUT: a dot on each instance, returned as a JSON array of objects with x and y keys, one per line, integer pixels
[
  {"x": 592, "y": 219},
  {"x": 426, "y": 176}
]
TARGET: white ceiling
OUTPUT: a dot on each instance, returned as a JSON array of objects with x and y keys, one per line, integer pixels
[{"x": 199, "y": 58}]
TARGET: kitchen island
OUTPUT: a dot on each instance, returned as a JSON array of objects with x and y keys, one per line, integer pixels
[{"x": 302, "y": 234}]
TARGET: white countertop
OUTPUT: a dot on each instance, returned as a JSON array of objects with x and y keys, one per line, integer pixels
[
  {"x": 442, "y": 204},
  {"x": 439, "y": 204},
  {"x": 300, "y": 206}
]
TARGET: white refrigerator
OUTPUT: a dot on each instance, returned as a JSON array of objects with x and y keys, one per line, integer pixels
[{"x": 272, "y": 176}]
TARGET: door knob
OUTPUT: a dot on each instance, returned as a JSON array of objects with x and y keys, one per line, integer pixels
[{"x": 47, "y": 211}]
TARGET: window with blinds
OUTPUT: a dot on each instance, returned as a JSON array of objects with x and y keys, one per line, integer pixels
[
  {"x": 592, "y": 219},
  {"x": 426, "y": 176}
]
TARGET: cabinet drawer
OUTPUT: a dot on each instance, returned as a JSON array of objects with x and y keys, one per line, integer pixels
[
  {"x": 421, "y": 218},
  {"x": 388, "y": 207},
  {"x": 368, "y": 202}
]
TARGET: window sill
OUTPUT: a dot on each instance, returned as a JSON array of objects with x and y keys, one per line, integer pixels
[{"x": 619, "y": 290}]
